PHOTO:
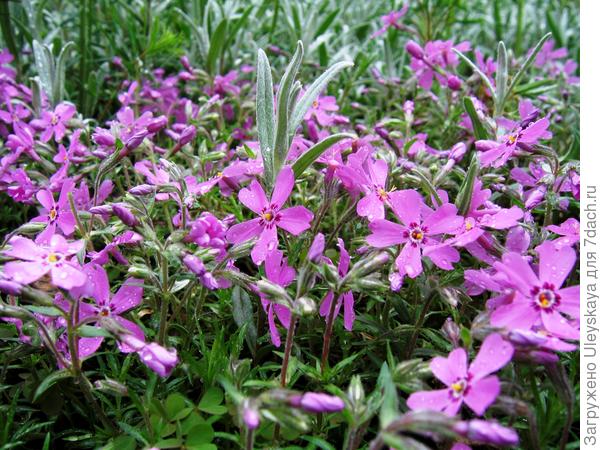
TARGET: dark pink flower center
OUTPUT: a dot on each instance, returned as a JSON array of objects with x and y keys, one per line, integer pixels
[
  {"x": 270, "y": 216},
  {"x": 416, "y": 234},
  {"x": 545, "y": 298}
]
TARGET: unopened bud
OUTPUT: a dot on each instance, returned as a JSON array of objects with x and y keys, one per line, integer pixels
[
  {"x": 454, "y": 83},
  {"x": 451, "y": 331},
  {"x": 306, "y": 306},
  {"x": 125, "y": 214},
  {"x": 112, "y": 386},
  {"x": 142, "y": 189},
  {"x": 157, "y": 124},
  {"x": 317, "y": 247},
  {"x": 415, "y": 50}
]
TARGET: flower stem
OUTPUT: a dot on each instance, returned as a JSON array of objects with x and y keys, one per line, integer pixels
[
  {"x": 413, "y": 339},
  {"x": 289, "y": 342},
  {"x": 328, "y": 333}
]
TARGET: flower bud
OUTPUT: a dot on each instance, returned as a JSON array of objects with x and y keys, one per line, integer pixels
[
  {"x": 274, "y": 292},
  {"x": 315, "y": 402},
  {"x": 250, "y": 416},
  {"x": 136, "y": 140},
  {"x": 457, "y": 151},
  {"x": 487, "y": 432},
  {"x": 536, "y": 197},
  {"x": 187, "y": 135},
  {"x": 368, "y": 265},
  {"x": 159, "y": 359},
  {"x": 415, "y": 50},
  {"x": 454, "y": 83},
  {"x": 103, "y": 137},
  {"x": 451, "y": 331},
  {"x": 317, "y": 247},
  {"x": 485, "y": 145},
  {"x": 157, "y": 124},
  {"x": 194, "y": 264},
  {"x": 356, "y": 392},
  {"x": 142, "y": 189},
  {"x": 530, "y": 118},
  {"x": 111, "y": 386},
  {"x": 102, "y": 210},
  {"x": 306, "y": 306},
  {"x": 125, "y": 214}
]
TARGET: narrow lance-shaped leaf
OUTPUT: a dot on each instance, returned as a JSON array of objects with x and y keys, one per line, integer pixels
[
  {"x": 528, "y": 62},
  {"x": 389, "y": 407},
  {"x": 50, "y": 380},
  {"x": 44, "y": 65},
  {"x": 313, "y": 92},
  {"x": 283, "y": 98},
  {"x": 501, "y": 79},
  {"x": 478, "y": 128},
  {"x": 217, "y": 42},
  {"x": 58, "y": 83},
  {"x": 463, "y": 199},
  {"x": 308, "y": 157},
  {"x": 265, "y": 114},
  {"x": 476, "y": 69}
]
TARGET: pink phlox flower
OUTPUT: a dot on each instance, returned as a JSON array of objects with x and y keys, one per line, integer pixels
[
  {"x": 224, "y": 85},
  {"x": 390, "y": 20},
  {"x": 346, "y": 299},
  {"x": 518, "y": 137},
  {"x": 54, "y": 123},
  {"x": 294, "y": 220},
  {"x": 323, "y": 110},
  {"x": 14, "y": 113},
  {"x": 538, "y": 298},
  {"x": 569, "y": 230},
  {"x": 38, "y": 260},
  {"x": 279, "y": 272},
  {"x": 128, "y": 238},
  {"x": 420, "y": 227},
  {"x": 107, "y": 305},
  {"x": 18, "y": 186},
  {"x": 56, "y": 213},
  {"x": 471, "y": 384},
  {"x": 436, "y": 53}
]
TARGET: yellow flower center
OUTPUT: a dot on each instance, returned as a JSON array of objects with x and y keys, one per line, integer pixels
[
  {"x": 268, "y": 216},
  {"x": 417, "y": 235},
  {"x": 52, "y": 258},
  {"x": 512, "y": 139},
  {"x": 219, "y": 174},
  {"x": 53, "y": 214},
  {"x": 315, "y": 104},
  {"x": 383, "y": 195}
]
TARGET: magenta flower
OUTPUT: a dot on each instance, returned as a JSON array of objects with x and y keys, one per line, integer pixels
[
  {"x": 483, "y": 214},
  {"x": 158, "y": 358},
  {"x": 569, "y": 230},
  {"x": 15, "y": 113},
  {"x": 323, "y": 109},
  {"x": 39, "y": 260},
  {"x": 114, "y": 306},
  {"x": 56, "y": 213},
  {"x": 428, "y": 63},
  {"x": 54, "y": 123},
  {"x": 523, "y": 137},
  {"x": 390, "y": 20},
  {"x": 112, "y": 248},
  {"x": 538, "y": 299},
  {"x": 420, "y": 228},
  {"x": 295, "y": 220},
  {"x": 278, "y": 272},
  {"x": 472, "y": 384},
  {"x": 374, "y": 174},
  {"x": 346, "y": 299}
]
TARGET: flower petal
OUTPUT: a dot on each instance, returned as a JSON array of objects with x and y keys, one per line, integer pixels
[
  {"x": 482, "y": 393},
  {"x": 494, "y": 354}
]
